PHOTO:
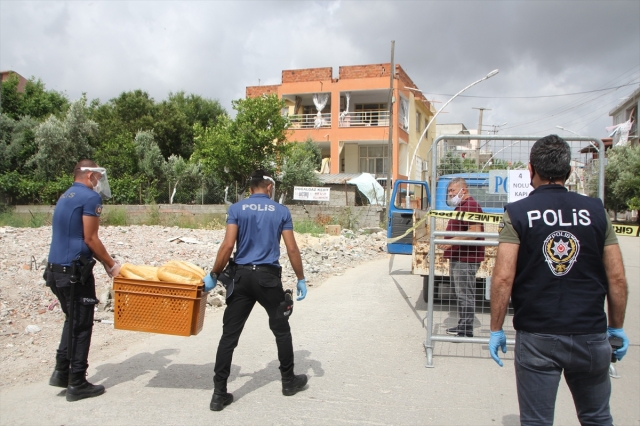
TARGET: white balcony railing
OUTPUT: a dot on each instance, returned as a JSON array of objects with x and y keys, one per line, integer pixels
[
  {"x": 374, "y": 118},
  {"x": 310, "y": 121}
]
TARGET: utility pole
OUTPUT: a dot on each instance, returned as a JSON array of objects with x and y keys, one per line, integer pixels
[
  {"x": 482, "y": 109},
  {"x": 392, "y": 72}
]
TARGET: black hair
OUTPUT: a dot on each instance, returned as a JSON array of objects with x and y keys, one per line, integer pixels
[
  {"x": 258, "y": 179},
  {"x": 550, "y": 158},
  {"x": 77, "y": 173}
]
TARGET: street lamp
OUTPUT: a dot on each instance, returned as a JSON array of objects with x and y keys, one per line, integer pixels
[
  {"x": 578, "y": 134},
  {"x": 424, "y": 132}
]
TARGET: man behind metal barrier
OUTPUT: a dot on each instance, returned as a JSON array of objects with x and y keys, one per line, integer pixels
[
  {"x": 74, "y": 244},
  {"x": 558, "y": 259},
  {"x": 464, "y": 261},
  {"x": 256, "y": 225}
]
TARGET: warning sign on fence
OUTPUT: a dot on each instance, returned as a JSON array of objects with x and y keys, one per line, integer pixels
[{"x": 311, "y": 193}]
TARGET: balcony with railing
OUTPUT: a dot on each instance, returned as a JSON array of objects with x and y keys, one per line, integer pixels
[
  {"x": 310, "y": 121},
  {"x": 370, "y": 118}
]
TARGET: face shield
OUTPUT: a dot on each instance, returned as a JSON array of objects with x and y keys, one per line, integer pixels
[
  {"x": 102, "y": 185},
  {"x": 272, "y": 195}
]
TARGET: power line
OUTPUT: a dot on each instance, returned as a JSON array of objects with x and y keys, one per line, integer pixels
[
  {"x": 567, "y": 107},
  {"x": 536, "y": 97}
]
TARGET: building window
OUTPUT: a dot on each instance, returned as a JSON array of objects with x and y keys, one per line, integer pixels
[
  {"x": 374, "y": 159},
  {"x": 418, "y": 120}
]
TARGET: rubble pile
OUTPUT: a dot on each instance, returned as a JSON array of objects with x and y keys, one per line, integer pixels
[{"x": 31, "y": 319}]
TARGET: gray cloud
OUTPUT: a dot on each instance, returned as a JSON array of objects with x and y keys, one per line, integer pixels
[{"x": 217, "y": 48}]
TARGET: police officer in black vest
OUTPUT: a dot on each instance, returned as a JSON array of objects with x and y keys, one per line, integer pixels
[{"x": 558, "y": 260}]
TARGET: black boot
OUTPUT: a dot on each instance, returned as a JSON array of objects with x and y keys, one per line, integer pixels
[
  {"x": 60, "y": 376},
  {"x": 79, "y": 388},
  {"x": 292, "y": 383},
  {"x": 220, "y": 397}
]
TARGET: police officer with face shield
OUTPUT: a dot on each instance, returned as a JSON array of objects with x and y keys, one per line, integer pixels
[
  {"x": 74, "y": 245},
  {"x": 255, "y": 226}
]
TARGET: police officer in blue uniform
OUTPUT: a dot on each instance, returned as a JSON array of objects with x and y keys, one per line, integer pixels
[
  {"x": 76, "y": 220},
  {"x": 559, "y": 259},
  {"x": 255, "y": 226}
]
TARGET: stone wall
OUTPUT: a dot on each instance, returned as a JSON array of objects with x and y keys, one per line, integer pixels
[{"x": 351, "y": 216}]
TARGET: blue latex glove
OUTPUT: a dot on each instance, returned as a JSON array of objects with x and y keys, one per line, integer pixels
[
  {"x": 302, "y": 289},
  {"x": 497, "y": 339},
  {"x": 618, "y": 332},
  {"x": 209, "y": 283}
]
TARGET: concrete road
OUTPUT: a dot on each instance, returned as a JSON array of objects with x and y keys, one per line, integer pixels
[{"x": 360, "y": 339}]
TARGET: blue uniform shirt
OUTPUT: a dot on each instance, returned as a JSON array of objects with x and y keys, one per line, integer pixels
[
  {"x": 260, "y": 223},
  {"x": 67, "y": 241}
]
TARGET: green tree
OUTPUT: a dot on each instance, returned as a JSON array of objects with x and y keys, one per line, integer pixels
[
  {"x": 23, "y": 144},
  {"x": 234, "y": 148},
  {"x": 178, "y": 171},
  {"x": 62, "y": 143},
  {"x": 118, "y": 155},
  {"x": 622, "y": 179},
  {"x": 175, "y": 120},
  {"x": 36, "y": 101},
  {"x": 450, "y": 164},
  {"x": 7, "y": 125},
  {"x": 150, "y": 160},
  {"x": 10, "y": 98},
  {"x": 301, "y": 160}
]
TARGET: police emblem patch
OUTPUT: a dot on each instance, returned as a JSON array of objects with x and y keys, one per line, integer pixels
[
  {"x": 561, "y": 250},
  {"x": 99, "y": 210}
]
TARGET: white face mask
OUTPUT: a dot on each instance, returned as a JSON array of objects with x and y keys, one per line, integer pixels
[
  {"x": 97, "y": 187},
  {"x": 455, "y": 200}
]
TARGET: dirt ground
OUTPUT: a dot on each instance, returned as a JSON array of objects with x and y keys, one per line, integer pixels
[{"x": 31, "y": 319}]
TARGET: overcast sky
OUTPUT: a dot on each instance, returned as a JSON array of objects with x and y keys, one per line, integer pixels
[{"x": 216, "y": 49}]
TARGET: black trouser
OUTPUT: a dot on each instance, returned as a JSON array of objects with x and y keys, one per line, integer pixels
[
  {"x": 85, "y": 301},
  {"x": 251, "y": 287}
]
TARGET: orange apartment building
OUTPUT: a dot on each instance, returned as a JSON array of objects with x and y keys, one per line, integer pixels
[{"x": 348, "y": 117}]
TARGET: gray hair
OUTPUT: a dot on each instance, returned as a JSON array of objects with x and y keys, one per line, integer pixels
[
  {"x": 458, "y": 181},
  {"x": 550, "y": 158}
]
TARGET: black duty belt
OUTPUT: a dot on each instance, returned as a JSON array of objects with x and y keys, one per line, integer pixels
[
  {"x": 263, "y": 268},
  {"x": 59, "y": 268}
]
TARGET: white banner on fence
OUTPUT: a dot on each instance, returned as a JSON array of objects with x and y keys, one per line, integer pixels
[
  {"x": 519, "y": 185},
  {"x": 310, "y": 193}
]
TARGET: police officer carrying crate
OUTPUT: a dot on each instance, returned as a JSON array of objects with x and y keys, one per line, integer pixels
[
  {"x": 74, "y": 244},
  {"x": 558, "y": 259},
  {"x": 254, "y": 226}
]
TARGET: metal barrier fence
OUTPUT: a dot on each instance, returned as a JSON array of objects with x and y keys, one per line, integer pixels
[{"x": 462, "y": 315}]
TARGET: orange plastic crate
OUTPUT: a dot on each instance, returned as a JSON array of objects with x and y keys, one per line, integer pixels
[{"x": 158, "y": 307}]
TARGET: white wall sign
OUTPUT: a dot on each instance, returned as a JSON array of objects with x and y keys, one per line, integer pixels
[
  {"x": 519, "y": 185},
  {"x": 310, "y": 193}
]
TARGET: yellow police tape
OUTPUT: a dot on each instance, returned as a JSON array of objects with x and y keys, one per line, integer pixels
[{"x": 623, "y": 230}]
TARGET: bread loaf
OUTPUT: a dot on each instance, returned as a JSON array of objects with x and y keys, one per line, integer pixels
[
  {"x": 187, "y": 266},
  {"x": 175, "y": 274},
  {"x": 139, "y": 272}
]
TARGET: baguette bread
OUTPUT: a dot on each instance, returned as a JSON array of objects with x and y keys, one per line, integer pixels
[
  {"x": 187, "y": 266},
  {"x": 175, "y": 274},
  {"x": 139, "y": 272}
]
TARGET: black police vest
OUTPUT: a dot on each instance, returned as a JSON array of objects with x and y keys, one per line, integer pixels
[{"x": 560, "y": 283}]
